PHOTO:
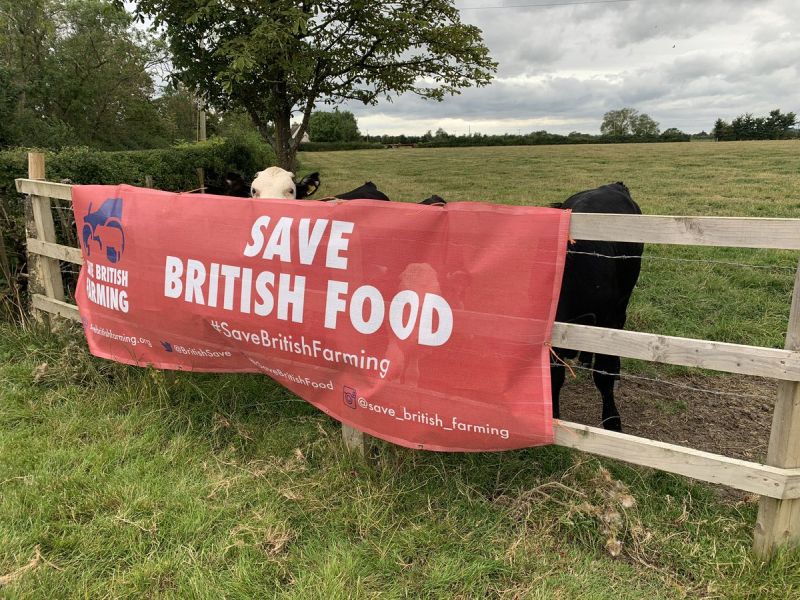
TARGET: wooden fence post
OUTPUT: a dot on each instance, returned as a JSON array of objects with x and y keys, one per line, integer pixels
[
  {"x": 354, "y": 440},
  {"x": 44, "y": 274},
  {"x": 779, "y": 520},
  {"x": 201, "y": 179}
]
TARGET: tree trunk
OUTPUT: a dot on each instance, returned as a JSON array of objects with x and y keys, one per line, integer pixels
[{"x": 285, "y": 151}]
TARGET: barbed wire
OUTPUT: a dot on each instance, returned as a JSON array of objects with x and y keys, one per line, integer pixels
[
  {"x": 691, "y": 388},
  {"x": 685, "y": 260}
]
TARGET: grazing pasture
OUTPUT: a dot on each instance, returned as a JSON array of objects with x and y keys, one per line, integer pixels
[
  {"x": 124, "y": 482},
  {"x": 755, "y": 179},
  {"x": 726, "y": 294}
]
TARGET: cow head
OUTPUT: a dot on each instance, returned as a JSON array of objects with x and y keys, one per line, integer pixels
[
  {"x": 235, "y": 185},
  {"x": 307, "y": 185},
  {"x": 274, "y": 182}
]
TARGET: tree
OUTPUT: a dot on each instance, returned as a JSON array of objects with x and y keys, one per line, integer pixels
[
  {"x": 335, "y": 126},
  {"x": 776, "y": 126},
  {"x": 628, "y": 121},
  {"x": 277, "y": 57},
  {"x": 178, "y": 111},
  {"x": 618, "y": 122},
  {"x": 644, "y": 126},
  {"x": 79, "y": 74},
  {"x": 673, "y": 134}
]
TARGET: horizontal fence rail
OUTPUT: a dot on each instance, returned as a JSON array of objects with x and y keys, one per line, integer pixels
[
  {"x": 686, "y": 352},
  {"x": 733, "y": 232},
  {"x": 779, "y": 486},
  {"x": 705, "y": 466},
  {"x": 49, "y": 189},
  {"x": 53, "y": 250}
]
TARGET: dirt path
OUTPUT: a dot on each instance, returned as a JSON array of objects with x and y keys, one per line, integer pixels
[{"x": 732, "y": 425}]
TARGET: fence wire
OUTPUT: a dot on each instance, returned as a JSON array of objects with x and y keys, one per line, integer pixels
[
  {"x": 686, "y": 260},
  {"x": 683, "y": 386}
]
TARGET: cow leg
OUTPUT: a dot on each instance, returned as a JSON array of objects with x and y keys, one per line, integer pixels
[
  {"x": 606, "y": 372},
  {"x": 556, "y": 381}
]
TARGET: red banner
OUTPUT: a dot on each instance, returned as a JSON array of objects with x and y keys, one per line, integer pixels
[{"x": 425, "y": 326}]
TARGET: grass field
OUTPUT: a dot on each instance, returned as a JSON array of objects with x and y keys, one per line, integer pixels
[
  {"x": 728, "y": 303},
  {"x": 123, "y": 482}
]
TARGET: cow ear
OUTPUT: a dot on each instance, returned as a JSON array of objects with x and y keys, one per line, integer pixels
[{"x": 308, "y": 185}]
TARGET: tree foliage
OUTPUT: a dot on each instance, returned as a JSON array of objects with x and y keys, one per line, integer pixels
[
  {"x": 673, "y": 134},
  {"x": 75, "y": 72},
  {"x": 178, "y": 111},
  {"x": 333, "y": 126},
  {"x": 628, "y": 121},
  {"x": 644, "y": 126},
  {"x": 776, "y": 126},
  {"x": 277, "y": 57}
]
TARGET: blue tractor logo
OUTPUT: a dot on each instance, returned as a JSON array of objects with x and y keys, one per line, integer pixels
[{"x": 102, "y": 228}]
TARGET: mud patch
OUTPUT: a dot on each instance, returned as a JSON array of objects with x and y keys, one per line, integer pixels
[{"x": 735, "y": 424}]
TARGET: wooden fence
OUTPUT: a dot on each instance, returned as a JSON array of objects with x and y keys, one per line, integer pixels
[{"x": 777, "y": 482}]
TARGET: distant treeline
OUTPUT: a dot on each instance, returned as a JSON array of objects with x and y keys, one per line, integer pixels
[
  {"x": 777, "y": 126},
  {"x": 442, "y": 139}
]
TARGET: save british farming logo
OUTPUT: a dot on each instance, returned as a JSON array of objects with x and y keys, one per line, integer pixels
[
  {"x": 102, "y": 230},
  {"x": 103, "y": 240}
]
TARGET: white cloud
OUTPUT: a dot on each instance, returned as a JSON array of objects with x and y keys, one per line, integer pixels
[{"x": 684, "y": 62}]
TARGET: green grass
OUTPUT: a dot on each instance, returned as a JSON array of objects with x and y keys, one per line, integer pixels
[
  {"x": 692, "y": 299},
  {"x": 136, "y": 483}
]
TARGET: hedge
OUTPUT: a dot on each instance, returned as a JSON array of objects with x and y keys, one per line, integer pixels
[
  {"x": 173, "y": 169},
  {"x": 331, "y": 146}
]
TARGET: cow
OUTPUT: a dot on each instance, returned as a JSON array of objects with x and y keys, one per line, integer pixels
[
  {"x": 274, "y": 182},
  {"x": 598, "y": 281},
  {"x": 368, "y": 191},
  {"x": 235, "y": 185}
]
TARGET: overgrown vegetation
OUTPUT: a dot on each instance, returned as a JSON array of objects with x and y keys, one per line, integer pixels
[
  {"x": 172, "y": 169},
  {"x": 77, "y": 72},
  {"x": 119, "y": 481},
  {"x": 334, "y": 146}
]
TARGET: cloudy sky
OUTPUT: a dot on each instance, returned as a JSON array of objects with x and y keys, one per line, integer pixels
[{"x": 684, "y": 62}]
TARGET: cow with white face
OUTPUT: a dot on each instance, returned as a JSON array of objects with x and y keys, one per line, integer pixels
[{"x": 274, "y": 182}]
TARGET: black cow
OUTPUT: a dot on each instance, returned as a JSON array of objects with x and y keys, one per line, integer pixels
[
  {"x": 233, "y": 185},
  {"x": 236, "y": 186},
  {"x": 368, "y": 191},
  {"x": 596, "y": 290}
]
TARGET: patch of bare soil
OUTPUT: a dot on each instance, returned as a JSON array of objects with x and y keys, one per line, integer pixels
[{"x": 684, "y": 410}]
